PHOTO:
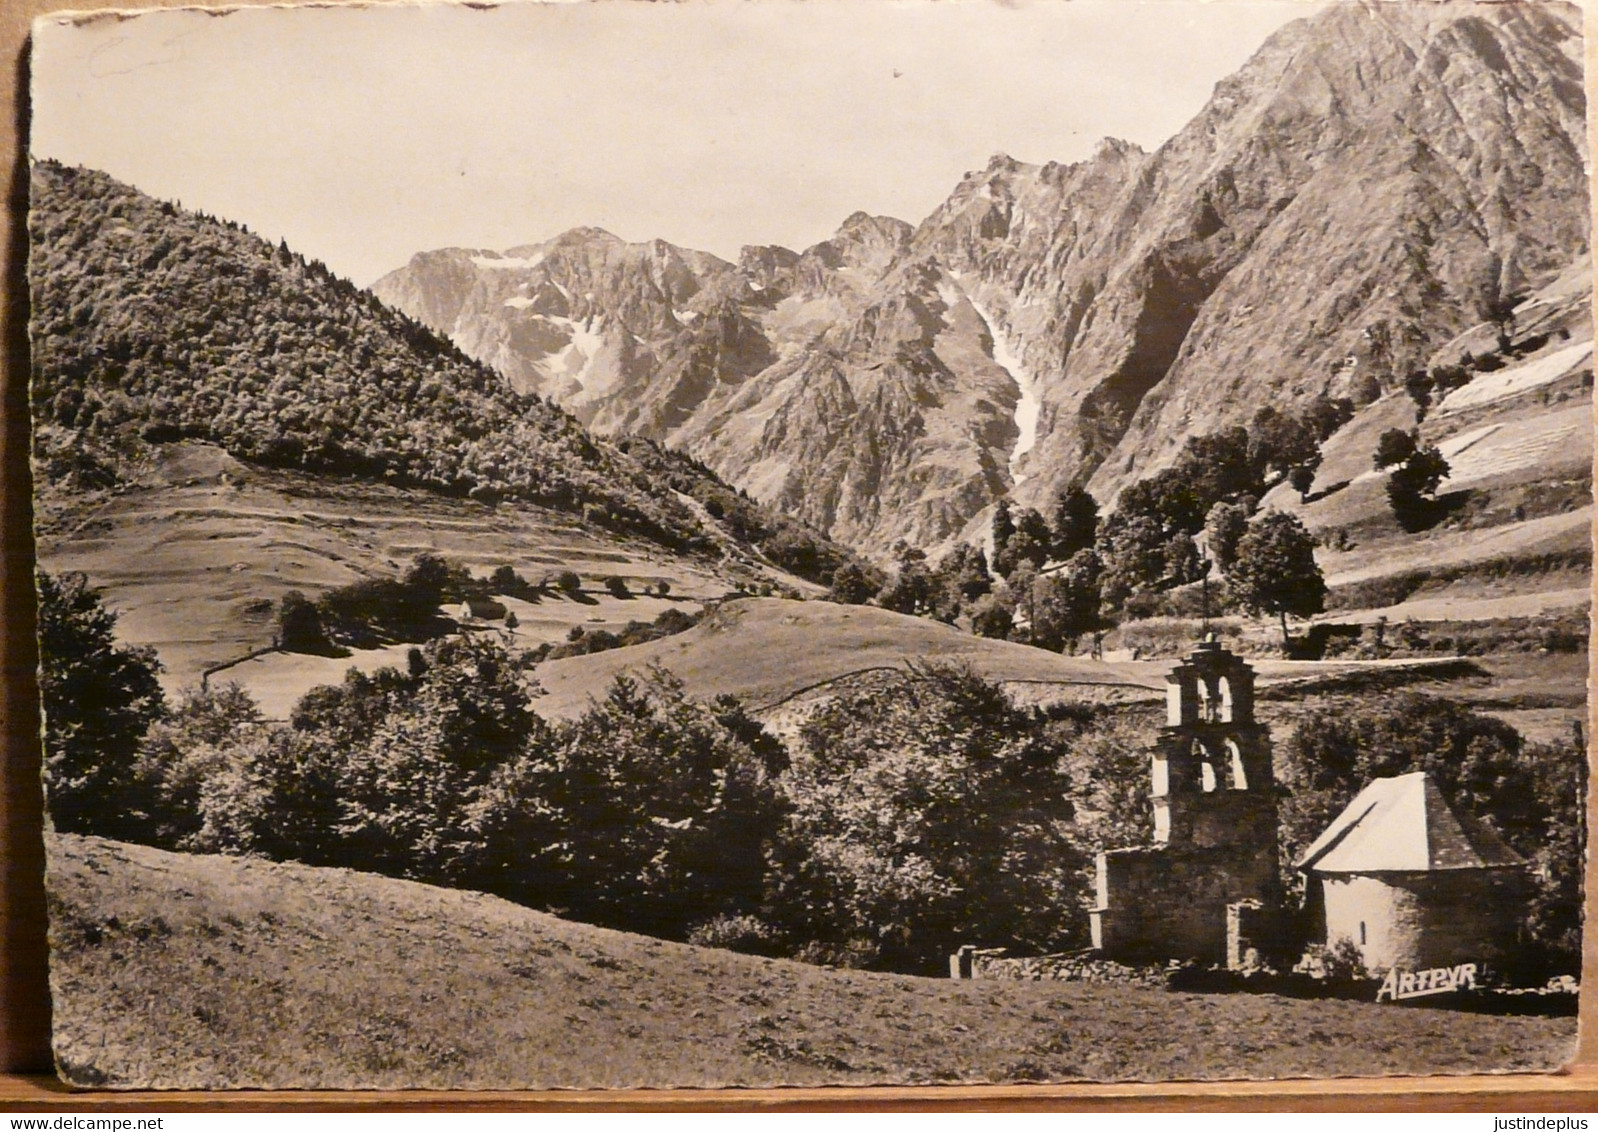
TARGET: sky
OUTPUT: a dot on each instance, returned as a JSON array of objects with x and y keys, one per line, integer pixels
[{"x": 363, "y": 135}]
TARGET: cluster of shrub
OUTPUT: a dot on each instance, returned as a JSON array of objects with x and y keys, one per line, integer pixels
[
  {"x": 581, "y": 641},
  {"x": 373, "y": 611},
  {"x": 917, "y": 811},
  {"x": 377, "y": 611},
  {"x": 1056, "y": 579},
  {"x": 153, "y": 324}
]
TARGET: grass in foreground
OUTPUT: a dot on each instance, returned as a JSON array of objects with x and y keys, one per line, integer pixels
[{"x": 186, "y": 971}]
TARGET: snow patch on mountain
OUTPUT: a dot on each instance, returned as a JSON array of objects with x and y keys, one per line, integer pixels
[
  {"x": 1027, "y": 404},
  {"x": 574, "y": 361}
]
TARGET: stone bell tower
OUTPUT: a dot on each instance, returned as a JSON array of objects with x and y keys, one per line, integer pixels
[{"x": 1207, "y": 886}]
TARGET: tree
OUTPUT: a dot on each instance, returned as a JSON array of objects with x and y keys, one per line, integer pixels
[
  {"x": 1394, "y": 446},
  {"x": 1003, "y": 532},
  {"x": 851, "y": 585},
  {"x": 659, "y": 807},
  {"x": 1224, "y": 528},
  {"x": 1325, "y": 415},
  {"x": 1067, "y": 602},
  {"x": 967, "y": 570},
  {"x": 1169, "y": 499},
  {"x": 512, "y": 621},
  {"x": 1216, "y": 466},
  {"x": 413, "y": 783},
  {"x": 1029, "y": 541},
  {"x": 1499, "y": 309},
  {"x": 1412, "y": 485},
  {"x": 1033, "y": 538},
  {"x": 1278, "y": 442},
  {"x": 959, "y": 579},
  {"x": 1022, "y": 597},
  {"x": 926, "y": 812},
  {"x": 1556, "y": 856},
  {"x": 910, "y": 589},
  {"x": 617, "y": 586},
  {"x": 99, "y": 699},
  {"x": 1301, "y": 479},
  {"x": 568, "y": 582},
  {"x": 1275, "y": 571},
  {"x": 1075, "y": 524},
  {"x": 1447, "y": 378},
  {"x": 191, "y": 764},
  {"x": 1134, "y": 558},
  {"x": 1366, "y": 389},
  {"x": 990, "y": 617},
  {"x": 299, "y": 625},
  {"x": 1183, "y": 562},
  {"x": 428, "y": 582},
  {"x": 1418, "y": 384}
]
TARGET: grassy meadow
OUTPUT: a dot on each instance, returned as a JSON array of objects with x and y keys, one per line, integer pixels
[{"x": 199, "y": 971}]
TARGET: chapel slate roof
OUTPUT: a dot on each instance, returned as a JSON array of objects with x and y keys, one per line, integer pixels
[{"x": 1403, "y": 824}]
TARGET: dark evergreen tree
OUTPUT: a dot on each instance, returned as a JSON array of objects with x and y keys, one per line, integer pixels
[
  {"x": 99, "y": 698},
  {"x": 1003, "y": 532}
]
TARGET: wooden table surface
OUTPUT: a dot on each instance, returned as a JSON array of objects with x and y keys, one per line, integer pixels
[{"x": 29, "y": 1085}]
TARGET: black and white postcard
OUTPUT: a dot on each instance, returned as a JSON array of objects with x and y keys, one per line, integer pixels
[{"x": 757, "y": 542}]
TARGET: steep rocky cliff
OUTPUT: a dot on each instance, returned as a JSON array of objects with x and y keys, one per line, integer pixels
[{"x": 1344, "y": 204}]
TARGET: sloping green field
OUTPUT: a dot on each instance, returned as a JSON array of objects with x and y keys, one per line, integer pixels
[
  {"x": 194, "y": 559},
  {"x": 769, "y": 651}
]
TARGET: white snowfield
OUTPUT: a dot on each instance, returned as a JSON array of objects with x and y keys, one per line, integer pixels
[
  {"x": 576, "y": 359},
  {"x": 1489, "y": 387},
  {"x": 1027, "y": 404}
]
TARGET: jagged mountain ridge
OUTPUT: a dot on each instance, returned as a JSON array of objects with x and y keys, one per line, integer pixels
[
  {"x": 1339, "y": 208},
  {"x": 152, "y": 324}
]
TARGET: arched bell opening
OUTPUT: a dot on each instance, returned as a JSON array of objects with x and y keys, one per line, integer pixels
[
  {"x": 1206, "y": 767},
  {"x": 1234, "y": 758}
]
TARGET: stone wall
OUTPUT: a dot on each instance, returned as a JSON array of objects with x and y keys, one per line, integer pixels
[{"x": 1070, "y": 966}]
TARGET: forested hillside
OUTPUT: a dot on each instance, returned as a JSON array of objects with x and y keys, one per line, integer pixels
[{"x": 154, "y": 324}]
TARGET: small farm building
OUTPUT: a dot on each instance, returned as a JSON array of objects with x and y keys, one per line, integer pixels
[
  {"x": 483, "y": 609},
  {"x": 1412, "y": 883}
]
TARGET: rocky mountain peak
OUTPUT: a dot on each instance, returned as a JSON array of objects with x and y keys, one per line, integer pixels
[{"x": 1332, "y": 216}]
